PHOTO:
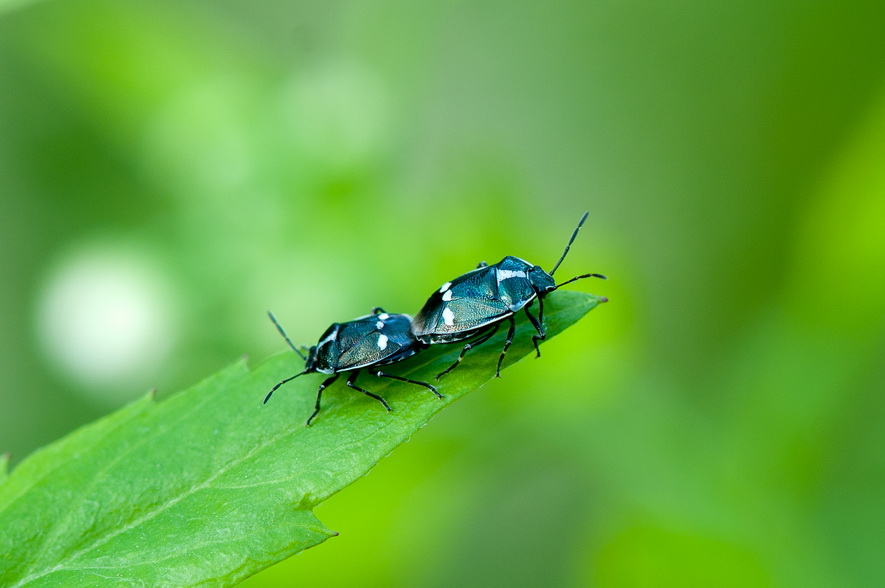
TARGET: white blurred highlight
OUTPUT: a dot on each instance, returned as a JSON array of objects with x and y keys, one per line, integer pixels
[{"x": 106, "y": 322}]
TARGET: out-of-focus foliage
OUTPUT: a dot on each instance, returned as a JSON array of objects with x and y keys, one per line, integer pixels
[
  {"x": 719, "y": 424},
  {"x": 208, "y": 488}
]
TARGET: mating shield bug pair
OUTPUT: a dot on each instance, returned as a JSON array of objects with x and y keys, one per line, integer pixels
[{"x": 470, "y": 308}]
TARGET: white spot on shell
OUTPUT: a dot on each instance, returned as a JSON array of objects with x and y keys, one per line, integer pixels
[
  {"x": 383, "y": 316},
  {"x": 382, "y": 342},
  {"x": 448, "y": 316},
  {"x": 505, "y": 274},
  {"x": 445, "y": 286},
  {"x": 379, "y": 325},
  {"x": 447, "y": 296}
]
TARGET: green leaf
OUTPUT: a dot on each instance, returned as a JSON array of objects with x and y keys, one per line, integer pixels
[{"x": 212, "y": 486}]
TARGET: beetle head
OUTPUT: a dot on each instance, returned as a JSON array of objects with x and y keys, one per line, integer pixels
[{"x": 541, "y": 281}]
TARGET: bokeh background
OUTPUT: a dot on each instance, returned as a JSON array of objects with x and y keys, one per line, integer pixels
[{"x": 170, "y": 170}]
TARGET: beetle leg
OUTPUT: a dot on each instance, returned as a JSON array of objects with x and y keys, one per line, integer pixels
[
  {"x": 541, "y": 316},
  {"x": 480, "y": 339},
  {"x": 507, "y": 343},
  {"x": 401, "y": 379},
  {"x": 316, "y": 409},
  {"x": 350, "y": 384},
  {"x": 542, "y": 334}
]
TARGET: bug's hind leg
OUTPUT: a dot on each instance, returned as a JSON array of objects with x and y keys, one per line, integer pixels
[
  {"x": 538, "y": 324},
  {"x": 510, "y": 332},
  {"x": 326, "y": 383},
  {"x": 482, "y": 339},
  {"x": 350, "y": 384},
  {"x": 433, "y": 389}
]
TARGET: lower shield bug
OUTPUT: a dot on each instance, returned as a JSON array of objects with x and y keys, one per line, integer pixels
[
  {"x": 473, "y": 306},
  {"x": 364, "y": 343}
]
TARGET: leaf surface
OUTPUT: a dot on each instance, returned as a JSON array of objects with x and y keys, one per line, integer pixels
[{"x": 211, "y": 486}]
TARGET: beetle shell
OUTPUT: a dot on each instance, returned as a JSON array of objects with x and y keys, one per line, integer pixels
[
  {"x": 375, "y": 339},
  {"x": 477, "y": 299}
]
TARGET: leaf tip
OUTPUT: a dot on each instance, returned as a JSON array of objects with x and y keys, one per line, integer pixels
[{"x": 595, "y": 300}]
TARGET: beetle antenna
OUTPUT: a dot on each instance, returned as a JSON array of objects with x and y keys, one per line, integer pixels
[
  {"x": 286, "y": 337},
  {"x": 274, "y": 389},
  {"x": 600, "y": 276},
  {"x": 570, "y": 241}
]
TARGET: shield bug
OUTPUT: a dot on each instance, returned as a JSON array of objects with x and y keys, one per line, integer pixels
[
  {"x": 473, "y": 306},
  {"x": 364, "y": 343}
]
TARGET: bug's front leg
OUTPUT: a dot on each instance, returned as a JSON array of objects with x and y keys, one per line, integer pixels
[
  {"x": 316, "y": 409},
  {"x": 538, "y": 324}
]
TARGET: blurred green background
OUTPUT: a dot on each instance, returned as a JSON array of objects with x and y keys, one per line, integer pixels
[{"x": 170, "y": 170}]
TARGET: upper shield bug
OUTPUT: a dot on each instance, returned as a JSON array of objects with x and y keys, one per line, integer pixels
[
  {"x": 476, "y": 303},
  {"x": 366, "y": 342}
]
